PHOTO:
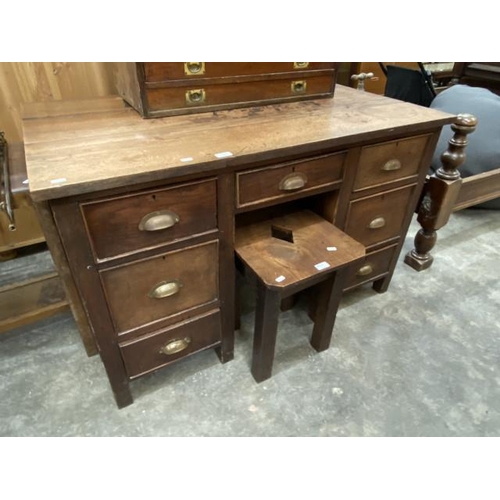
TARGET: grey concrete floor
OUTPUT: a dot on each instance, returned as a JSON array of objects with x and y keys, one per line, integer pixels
[{"x": 422, "y": 359}]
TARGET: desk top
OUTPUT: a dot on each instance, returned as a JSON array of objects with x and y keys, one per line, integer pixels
[{"x": 76, "y": 147}]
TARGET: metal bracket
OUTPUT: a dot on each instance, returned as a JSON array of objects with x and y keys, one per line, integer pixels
[{"x": 6, "y": 203}]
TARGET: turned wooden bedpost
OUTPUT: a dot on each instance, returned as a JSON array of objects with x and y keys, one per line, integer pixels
[{"x": 440, "y": 193}]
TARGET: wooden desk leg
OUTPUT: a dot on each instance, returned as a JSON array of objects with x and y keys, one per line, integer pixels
[
  {"x": 330, "y": 294},
  {"x": 266, "y": 329},
  {"x": 440, "y": 194}
]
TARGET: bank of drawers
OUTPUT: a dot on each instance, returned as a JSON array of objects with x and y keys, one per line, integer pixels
[
  {"x": 387, "y": 173},
  {"x": 163, "y": 301}
]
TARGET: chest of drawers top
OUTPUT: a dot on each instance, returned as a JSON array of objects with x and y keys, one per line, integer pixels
[{"x": 78, "y": 147}]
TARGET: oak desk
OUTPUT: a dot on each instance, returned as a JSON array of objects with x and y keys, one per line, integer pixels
[{"x": 140, "y": 214}]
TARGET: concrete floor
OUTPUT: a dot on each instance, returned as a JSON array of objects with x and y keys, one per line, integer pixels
[{"x": 422, "y": 359}]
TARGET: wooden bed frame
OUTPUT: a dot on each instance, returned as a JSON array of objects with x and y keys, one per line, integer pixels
[{"x": 445, "y": 192}]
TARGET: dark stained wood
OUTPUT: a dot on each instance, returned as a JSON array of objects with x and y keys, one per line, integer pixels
[
  {"x": 173, "y": 100},
  {"x": 273, "y": 259},
  {"x": 256, "y": 187},
  {"x": 378, "y": 218},
  {"x": 113, "y": 224},
  {"x": 166, "y": 71},
  {"x": 227, "y": 278},
  {"x": 31, "y": 300},
  {"x": 328, "y": 301},
  {"x": 478, "y": 189},
  {"x": 440, "y": 194},
  {"x": 104, "y": 155},
  {"x": 288, "y": 254},
  {"x": 52, "y": 236},
  {"x": 373, "y": 266},
  {"x": 128, "y": 287},
  {"x": 127, "y": 83},
  {"x": 382, "y": 163},
  {"x": 266, "y": 330},
  {"x": 143, "y": 355}
]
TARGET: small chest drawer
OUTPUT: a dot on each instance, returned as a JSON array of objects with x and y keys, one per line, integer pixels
[
  {"x": 375, "y": 265},
  {"x": 147, "y": 291},
  {"x": 159, "y": 349},
  {"x": 202, "y": 96},
  {"x": 378, "y": 218},
  {"x": 131, "y": 223},
  {"x": 269, "y": 184},
  {"x": 390, "y": 161},
  {"x": 164, "y": 71}
]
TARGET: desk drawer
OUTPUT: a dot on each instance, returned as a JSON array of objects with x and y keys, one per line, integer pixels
[
  {"x": 374, "y": 265},
  {"x": 284, "y": 181},
  {"x": 390, "y": 161},
  {"x": 153, "y": 289},
  {"x": 164, "y": 71},
  {"x": 126, "y": 224},
  {"x": 147, "y": 353},
  {"x": 378, "y": 218}
]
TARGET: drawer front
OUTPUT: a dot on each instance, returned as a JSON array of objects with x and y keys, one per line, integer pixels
[
  {"x": 159, "y": 349},
  {"x": 198, "y": 97},
  {"x": 390, "y": 161},
  {"x": 374, "y": 265},
  {"x": 282, "y": 181},
  {"x": 378, "y": 218},
  {"x": 131, "y": 223},
  {"x": 164, "y": 71},
  {"x": 150, "y": 290}
]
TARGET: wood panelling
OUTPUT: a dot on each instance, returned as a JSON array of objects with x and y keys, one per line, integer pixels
[{"x": 47, "y": 81}]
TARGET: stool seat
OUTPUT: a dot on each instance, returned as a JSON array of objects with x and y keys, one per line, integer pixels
[{"x": 286, "y": 255}]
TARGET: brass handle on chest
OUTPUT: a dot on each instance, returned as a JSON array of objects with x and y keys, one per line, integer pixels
[
  {"x": 300, "y": 65},
  {"x": 377, "y": 223},
  {"x": 293, "y": 181},
  {"x": 165, "y": 289},
  {"x": 175, "y": 346},
  {"x": 391, "y": 165},
  {"x": 299, "y": 86},
  {"x": 196, "y": 96},
  {"x": 365, "y": 270},
  {"x": 156, "y": 221},
  {"x": 194, "y": 68}
]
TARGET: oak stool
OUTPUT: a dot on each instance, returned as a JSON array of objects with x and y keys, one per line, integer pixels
[{"x": 288, "y": 254}]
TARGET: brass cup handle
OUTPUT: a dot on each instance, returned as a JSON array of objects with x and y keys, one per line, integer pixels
[
  {"x": 391, "y": 165},
  {"x": 156, "y": 221},
  {"x": 365, "y": 270},
  {"x": 300, "y": 65},
  {"x": 175, "y": 346},
  {"x": 195, "y": 96},
  {"x": 299, "y": 86},
  {"x": 377, "y": 223},
  {"x": 165, "y": 289},
  {"x": 293, "y": 182},
  {"x": 194, "y": 68}
]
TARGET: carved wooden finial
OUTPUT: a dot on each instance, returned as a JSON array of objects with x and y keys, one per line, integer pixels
[{"x": 454, "y": 156}]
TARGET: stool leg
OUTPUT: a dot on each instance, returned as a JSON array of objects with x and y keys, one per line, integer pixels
[
  {"x": 266, "y": 329},
  {"x": 330, "y": 293}
]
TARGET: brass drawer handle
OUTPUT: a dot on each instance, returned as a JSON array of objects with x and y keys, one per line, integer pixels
[
  {"x": 196, "y": 96},
  {"x": 299, "y": 86},
  {"x": 391, "y": 165},
  {"x": 377, "y": 223},
  {"x": 165, "y": 289},
  {"x": 365, "y": 270},
  {"x": 194, "y": 68},
  {"x": 293, "y": 181},
  {"x": 300, "y": 65},
  {"x": 175, "y": 346},
  {"x": 156, "y": 221}
]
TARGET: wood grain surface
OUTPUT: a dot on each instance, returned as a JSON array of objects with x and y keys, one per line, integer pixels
[{"x": 92, "y": 151}]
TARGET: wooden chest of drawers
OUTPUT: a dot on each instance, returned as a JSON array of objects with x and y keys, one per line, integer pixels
[
  {"x": 166, "y": 88},
  {"x": 147, "y": 233}
]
